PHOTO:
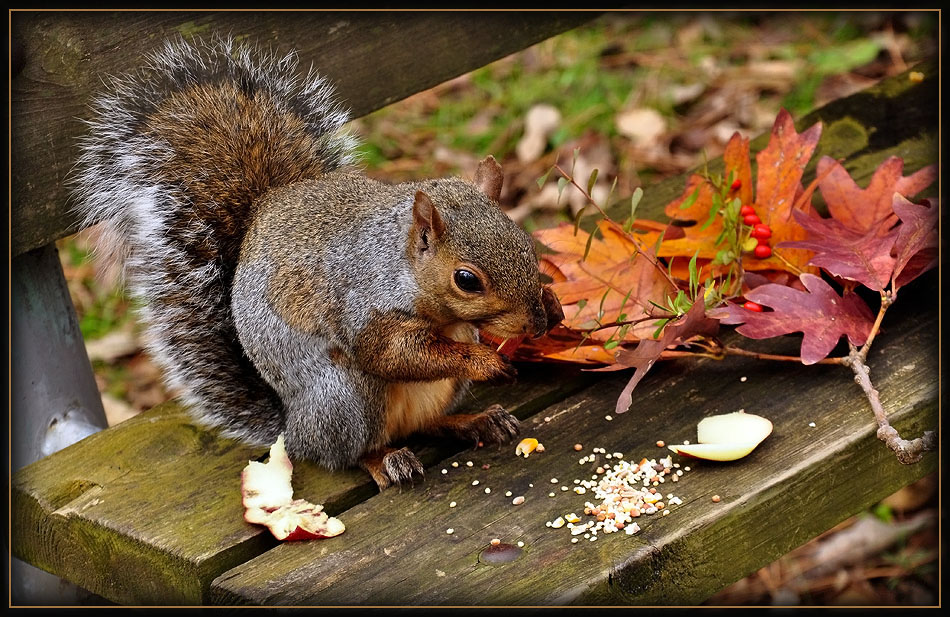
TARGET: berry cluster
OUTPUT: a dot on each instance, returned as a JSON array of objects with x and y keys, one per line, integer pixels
[{"x": 760, "y": 231}]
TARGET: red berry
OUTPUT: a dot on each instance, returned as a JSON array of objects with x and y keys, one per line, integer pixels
[
  {"x": 736, "y": 185},
  {"x": 752, "y": 306},
  {"x": 751, "y": 219},
  {"x": 746, "y": 210},
  {"x": 761, "y": 231},
  {"x": 762, "y": 251}
]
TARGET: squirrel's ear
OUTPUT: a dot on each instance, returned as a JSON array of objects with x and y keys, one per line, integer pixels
[
  {"x": 426, "y": 220},
  {"x": 488, "y": 177}
]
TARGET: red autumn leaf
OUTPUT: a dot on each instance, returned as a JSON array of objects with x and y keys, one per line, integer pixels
[
  {"x": 917, "y": 240},
  {"x": 694, "y": 322},
  {"x": 870, "y": 209},
  {"x": 862, "y": 257},
  {"x": 778, "y": 188},
  {"x": 819, "y": 313}
]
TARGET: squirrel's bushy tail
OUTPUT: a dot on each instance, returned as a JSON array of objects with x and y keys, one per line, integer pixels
[{"x": 176, "y": 156}]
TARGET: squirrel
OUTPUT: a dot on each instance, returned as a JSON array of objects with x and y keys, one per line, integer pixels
[{"x": 283, "y": 290}]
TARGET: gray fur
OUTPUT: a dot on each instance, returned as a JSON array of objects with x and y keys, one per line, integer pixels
[
  {"x": 254, "y": 308},
  {"x": 117, "y": 182}
]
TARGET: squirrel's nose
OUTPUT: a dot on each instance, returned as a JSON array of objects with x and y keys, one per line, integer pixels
[{"x": 549, "y": 313}]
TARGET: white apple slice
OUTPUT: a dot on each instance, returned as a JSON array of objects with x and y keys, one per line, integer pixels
[
  {"x": 726, "y": 437},
  {"x": 268, "y": 500}
]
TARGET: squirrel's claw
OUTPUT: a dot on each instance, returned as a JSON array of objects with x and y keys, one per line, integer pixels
[
  {"x": 390, "y": 466},
  {"x": 495, "y": 425}
]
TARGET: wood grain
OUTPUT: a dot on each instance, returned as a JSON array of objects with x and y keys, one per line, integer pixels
[
  {"x": 801, "y": 481},
  {"x": 149, "y": 511}
]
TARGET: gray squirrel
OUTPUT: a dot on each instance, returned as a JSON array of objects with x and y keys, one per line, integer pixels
[{"x": 283, "y": 290}]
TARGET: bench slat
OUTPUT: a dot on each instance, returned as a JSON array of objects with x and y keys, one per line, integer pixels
[
  {"x": 149, "y": 511},
  {"x": 798, "y": 483},
  {"x": 374, "y": 58}
]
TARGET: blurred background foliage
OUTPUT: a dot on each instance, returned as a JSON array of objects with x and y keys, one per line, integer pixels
[{"x": 640, "y": 96}]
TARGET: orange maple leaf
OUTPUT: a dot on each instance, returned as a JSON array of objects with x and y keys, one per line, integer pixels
[{"x": 613, "y": 284}]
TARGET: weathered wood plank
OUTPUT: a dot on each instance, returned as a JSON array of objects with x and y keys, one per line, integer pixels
[
  {"x": 798, "y": 483},
  {"x": 149, "y": 511},
  {"x": 374, "y": 58},
  {"x": 895, "y": 117}
]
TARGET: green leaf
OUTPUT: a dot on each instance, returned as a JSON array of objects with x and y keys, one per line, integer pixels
[
  {"x": 610, "y": 193},
  {"x": 610, "y": 344},
  {"x": 590, "y": 240},
  {"x": 577, "y": 219},
  {"x": 689, "y": 201},
  {"x": 600, "y": 309},
  {"x": 883, "y": 512},
  {"x": 544, "y": 178},
  {"x": 577, "y": 152},
  {"x": 622, "y": 304},
  {"x": 659, "y": 306},
  {"x": 659, "y": 324},
  {"x": 634, "y": 202},
  {"x": 682, "y": 303},
  {"x": 561, "y": 183},
  {"x": 693, "y": 275},
  {"x": 723, "y": 257},
  {"x": 591, "y": 181},
  {"x": 581, "y": 303},
  {"x": 843, "y": 58},
  {"x": 659, "y": 241},
  {"x": 622, "y": 331},
  {"x": 716, "y": 205}
]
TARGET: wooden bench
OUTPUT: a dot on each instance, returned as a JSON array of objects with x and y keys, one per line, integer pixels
[{"x": 149, "y": 511}]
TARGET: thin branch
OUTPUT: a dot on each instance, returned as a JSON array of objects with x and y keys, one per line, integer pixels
[
  {"x": 653, "y": 260},
  {"x": 908, "y": 452},
  {"x": 731, "y": 350},
  {"x": 887, "y": 299}
]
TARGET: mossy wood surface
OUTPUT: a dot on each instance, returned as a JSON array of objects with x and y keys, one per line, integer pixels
[
  {"x": 59, "y": 61},
  {"x": 896, "y": 117},
  {"x": 799, "y": 482},
  {"x": 149, "y": 511}
]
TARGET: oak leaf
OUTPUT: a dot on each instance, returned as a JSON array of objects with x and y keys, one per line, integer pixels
[
  {"x": 819, "y": 313},
  {"x": 602, "y": 281},
  {"x": 862, "y": 257},
  {"x": 692, "y": 323},
  {"x": 869, "y": 209},
  {"x": 917, "y": 241},
  {"x": 778, "y": 190}
]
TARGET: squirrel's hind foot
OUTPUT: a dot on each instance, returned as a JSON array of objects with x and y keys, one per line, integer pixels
[
  {"x": 494, "y": 425},
  {"x": 388, "y": 466}
]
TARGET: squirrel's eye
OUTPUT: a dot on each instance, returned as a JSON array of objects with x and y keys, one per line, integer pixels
[{"x": 467, "y": 281}]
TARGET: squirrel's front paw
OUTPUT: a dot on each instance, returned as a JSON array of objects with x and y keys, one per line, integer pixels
[
  {"x": 494, "y": 367},
  {"x": 390, "y": 466},
  {"x": 495, "y": 425}
]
